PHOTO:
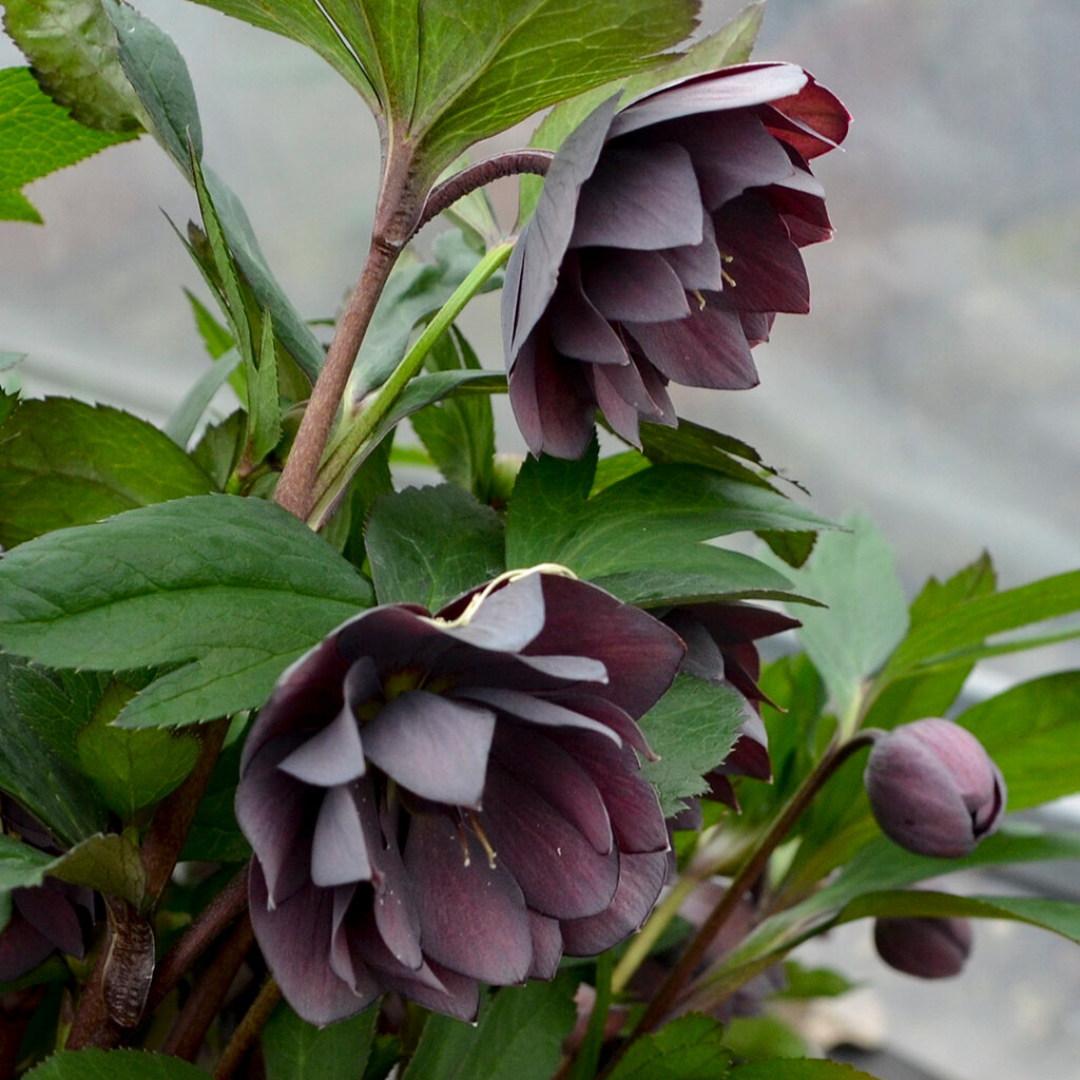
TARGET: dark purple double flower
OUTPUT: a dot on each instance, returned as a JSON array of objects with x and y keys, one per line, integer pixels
[
  {"x": 665, "y": 240},
  {"x": 440, "y": 801}
]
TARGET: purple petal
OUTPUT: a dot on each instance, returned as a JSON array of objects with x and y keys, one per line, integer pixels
[
  {"x": 536, "y": 710},
  {"x": 698, "y": 266},
  {"x": 766, "y": 266},
  {"x": 610, "y": 715},
  {"x": 656, "y": 384},
  {"x": 338, "y": 852},
  {"x": 330, "y": 757},
  {"x": 459, "y": 996},
  {"x": 295, "y": 940},
  {"x": 557, "y": 777},
  {"x": 619, "y": 413},
  {"x": 22, "y": 948},
  {"x": 640, "y": 198},
  {"x": 707, "y": 349},
  {"x": 508, "y": 618},
  {"x": 756, "y": 325},
  {"x": 560, "y": 873},
  {"x": 578, "y": 330},
  {"x": 813, "y": 121},
  {"x": 641, "y": 878},
  {"x": 729, "y": 88},
  {"x": 703, "y": 657},
  {"x": 48, "y": 910},
  {"x": 632, "y": 285},
  {"x": 277, "y": 814},
  {"x": 396, "y": 916},
  {"x": 433, "y": 746},
  {"x": 472, "y": 915},
  {"x": 547, "y": 946},
  {"x": 352, "y": 971}
]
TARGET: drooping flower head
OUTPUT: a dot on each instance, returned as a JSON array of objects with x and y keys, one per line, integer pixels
[
  {"x": 926, "y": 947},
  {"x": 720, "y": 649},
  {"x": 665, "y": 240},
  {"x": 434, "y": 801}
]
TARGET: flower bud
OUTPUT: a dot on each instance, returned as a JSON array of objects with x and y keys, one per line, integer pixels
[
  {"x": 928, "y": 948},
  {"x": 934, "y": 789}
]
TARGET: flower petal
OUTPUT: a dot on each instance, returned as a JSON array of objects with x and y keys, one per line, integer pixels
[
  {"x": 639, "y": 198},
  {"x": 48, "y": 910},
  {"x": 433, "y": 746},
  {"x": 547, "y": 946},
  {"x": 536, "y": 710},
  {"x": 331, "y": 756},
  {"x": 339, "y": 854},
  {"x": 507, "y": 619},
  {"x": 627, "y": 284},
  {"x": 578, "y": 330},
  {"x": 472, "y": 915},
  {"x": 698, "y": 266},
  {"x": 22, "y": 948}
]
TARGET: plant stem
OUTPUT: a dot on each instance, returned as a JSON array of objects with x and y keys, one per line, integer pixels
[
  {"x": 249, "y": 1029},
  {"x": 346, "y": 457},
  {"x": 189, "y": 1030},
  {"x": 511, "y": 163},
  {"x": 668, "y": 994},
  {"x": 16, "y": 1011},
  {"x": 212, "y": 921}
]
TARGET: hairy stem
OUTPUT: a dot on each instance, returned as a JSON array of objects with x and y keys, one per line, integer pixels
[
  {"x": 668, "y": 994},
  {"x": 212, "y": 921},
  {"x": 248, "y": 1031},
  {"x": 511, "y": 163},
  {"x": 189, "y": 1030}
]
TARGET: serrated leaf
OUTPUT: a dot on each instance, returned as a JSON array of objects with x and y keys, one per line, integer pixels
[
  {"x": 296, "y": 1050},
  {"x": 40, "y": 712},
  {"x": 854, "y": 573},
  {"x": 428, "y": 545},
  {"x": 132, "y": 769},
  {"x": 72, "y": 47},
  {"x": 218, "y": 452},
  {"x": 692, "y": 728},
  {"x": 519, "y": 1037},
  {"x": 686, "y": 1048},
  {"x": 113, "y": 1065},
  {"x": 263, "y": 399},
  {"x": 64, "y": 462},
  {"x": 38, "y": 137},
  {"x": 231, "y": 589}
]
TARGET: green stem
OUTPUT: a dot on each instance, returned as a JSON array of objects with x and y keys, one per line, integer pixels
[
  {"x": 588, "y": 1056},
  {"x": 248, "y": 1030},
  {"x": 641, "y": 945},
  {"x": 364, "y": 432}
]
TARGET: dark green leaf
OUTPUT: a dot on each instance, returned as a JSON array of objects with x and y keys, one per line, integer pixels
[
  {"x": 37, "y": 137},
  {"x": 215, "y": 835},
  {"x": 794, "y": 548},
  {"x": 295, "y": 1050},
  {"x": 132, "y": 769},
  {"x": 39, "y": 710},
  {"x": 692, "y": 728},
  {"x": 72, "y": 47},
  {"x": 459, "y": 433},
  {"x": 63, "y": 462},
  {"x": 611, "y": 470},
  {"x": 263, "y": 400},
  {"x": 218, "y": 451},
  {"x": 519, "y": 1037},
  {"x": 687, "y": 1048},
  {"x": 762, "y": 1038},
  {"x": 854, "y": 573},
  {"x": 803, "y": 982},
  {"x": 1033, "y": 734},
  {"x": 428, "y": 545},
  {"x": 233, "y": 589},
  {"x": 113, "y": 1065},
  {"x": 157, "y": 71},
  {"x": 797, "y": 1069},
  {"x": 345, "y": 532}
]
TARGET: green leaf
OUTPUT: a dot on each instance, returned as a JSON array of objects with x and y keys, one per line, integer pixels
[
  {"x": 215, "y": 834},
  {"x": 692, "y": 728},
  {"x": 296, "y": 1050},
  {"x": 219, "y": 450},
  {"x": 687, "y": 1048},
  {"x": 762, "y": 1038},
  {"x": 113, "y": 1065},
  {"x": 797, "y": 1069},
  {"x": 263, "y": 398},
  {"x": 345, "y": 531},
  {"x": 159, "y": 75},
  {"x": 231, "y": 589},
  {"x": 37, "y": 137},
  {"x": 519, "y": 1037},
  {"x": 459, "y": 433},
  {"x": 802, "y": 982},
  {"x": 132, "y": 769},
  {"x": 72, "y": 47},
  {"x": 38, "y": 710},
  {"x": 1059, "y": 916},
  {"x": 189, "y": 412},
  {"x": 958, "y": 631},
  {"x": 215, "y": 337},
  {"x": 641, "y": 538},
  {"x": 64, "y": 462},
  {"x": 1031, "y": 731},
  {"x": 428, "y": 545},
  {"x": 854, "y": 573}
]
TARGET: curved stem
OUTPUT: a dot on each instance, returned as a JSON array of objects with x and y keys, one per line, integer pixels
[
  {"x": 668, "y": 994},
  {"x": 511, "y": 163},
  {"x": 248, "y": 1031}
]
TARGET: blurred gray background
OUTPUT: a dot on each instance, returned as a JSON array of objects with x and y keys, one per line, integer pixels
[{"x": 935, "y": 383}]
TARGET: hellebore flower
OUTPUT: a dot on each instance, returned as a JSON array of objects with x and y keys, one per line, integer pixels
[
  {"x": 933, "y": 788},
  {"x": 720, "y": 649},
  {"x": 54, "y": 916},
  {"x": 437, "y": 801},
  {"x": 929, "y": 948},
  {"x": 665, "y": 240}
]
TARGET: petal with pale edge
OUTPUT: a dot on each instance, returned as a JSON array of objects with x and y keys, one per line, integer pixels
[
  {"x": 339, "y": 854},
  {"x": 331, "y": 756}
]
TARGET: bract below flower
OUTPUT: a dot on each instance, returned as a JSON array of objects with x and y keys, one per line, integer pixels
[
  {"x": 664, "y": 242},
  {"x": 437, "y": 801}
]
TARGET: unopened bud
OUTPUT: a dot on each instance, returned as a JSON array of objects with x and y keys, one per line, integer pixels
[{"x": 929, "y": 948}]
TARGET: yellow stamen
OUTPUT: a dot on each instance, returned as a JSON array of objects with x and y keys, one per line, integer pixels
[{"x": 485, "y": 843}]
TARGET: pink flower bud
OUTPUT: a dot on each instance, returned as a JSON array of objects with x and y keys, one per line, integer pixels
[
  {"x": 934, "y": 789},
  {"x": 928, "y": 948}
]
